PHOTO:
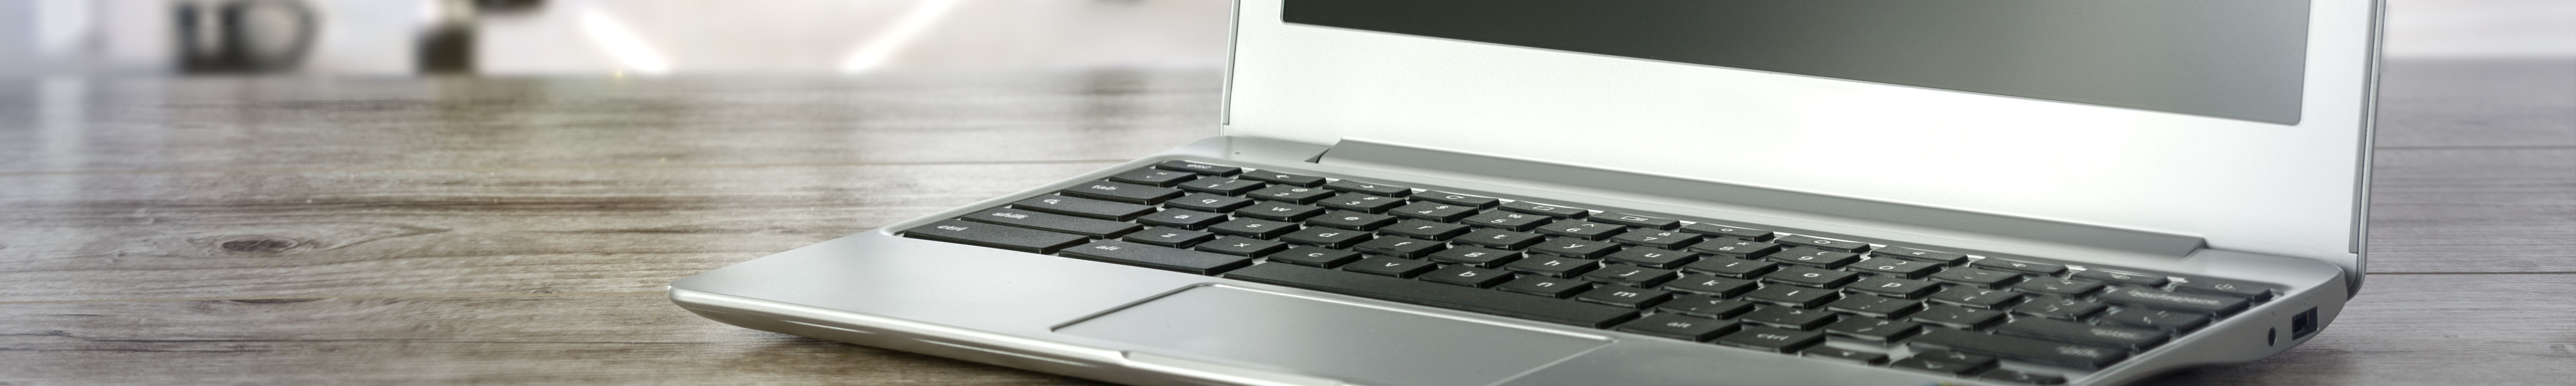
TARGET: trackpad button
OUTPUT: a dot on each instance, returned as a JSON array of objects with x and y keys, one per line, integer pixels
[{"x": 1353, "y": 343}]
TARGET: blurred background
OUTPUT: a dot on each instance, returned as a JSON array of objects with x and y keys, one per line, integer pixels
[{"x": 678, "y": 37}]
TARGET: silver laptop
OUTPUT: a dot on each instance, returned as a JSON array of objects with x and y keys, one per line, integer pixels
[{"x": 1638, "y": 192}]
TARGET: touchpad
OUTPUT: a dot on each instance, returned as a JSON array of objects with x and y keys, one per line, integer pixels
[{"x": 1353, "y": 343}]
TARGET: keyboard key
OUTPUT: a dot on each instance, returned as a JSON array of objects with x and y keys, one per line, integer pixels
[
  {"x": 1458, "y": 199},
  {"x": 1977, "y": 277},
  {"x": 1835, "y": 354},
  {"x": 2136, "y": 279},
  {"x": 1624, "y": 296},
  {"x": 1773, "y": 339},
  {"x": 1497, "y": 238},
  {"x": 1958, "y": 317},
  {"x": 1182, "y": 218},
  {"x": 1705, "y": 306},
  {"x": 1790, "y": 318},
  {"x": 1314, "y": 257},
  {"x": 1351, "y": 220},
  {"x": 1720, "y": 286},
  {"x": 1208, "y": 202},
  {"x": 1361, "y": 202},
  {"x": 1169, "y": 237},
  {"x": 1053, "y": 222},
  {"x": 1551, "y": 266},
  {"x": 1935, "y": 362},
  {"x": 1747, "y": 234},
  {"x": 2020, "y": 266},
  {"x": 1735, "y": 268},
  {"x": 1894, "y": 287},
  {"x": 1141, "y": 255},
  {"x": 1200, "y": 168},
  {"x": 1468, "y": 276},
  {"x": 1794, "y": 296},
  {"x": 1923, "y": 255},
  {"x": 2212, "y": 304},
  {"x": 1903, "y": 268},
  {"x": 1653, "y": 258},
  {"x": 2228, "y": 288},
  {"x": 1741, "y": 249},
  {"x": 1630, "y": 275},
  {"x": 1810, "y": 277},
  {"x": 1480, "y": 257},
  {"x": 1657, "y": 239},
  {"x": 1221, "y": 186},
  {"x": 1549, "y": 210},
  {"x": 1575, "y": 247},
  {"x": 1580, "y": 229},
  {"x": 1122, "y": 192},
  {"x": 1084, "y": 207},
  {"x": 1873, "y": 329},
  {"x": 1425, "y": 230},
  {"x": 1505, "y": 220},
  {"x": 1824, "y": 243},
  {"x": 1397, "y": 246},
  {"x": 1816, "y": 257},
  {"x": 1545, "y": 286},
  {"x": 2024, "y": 349},
  {"x": 995, "y": 236},
  {"x": 1153, "y": 177},
  {"x": 2056, "y": 286},
  {"x": 1369, "y": 187},
  {"x": 1875, "y": 306},
  {"x": 1240, "y": 246},
  {"x": 1326, "y": 237},
  {"x": 1435, "y": 295},
  {"x": 1298, "y": 180},
  {"x": 2073, "y": 332},
  {"x": 1389, "y": 266},
  {"x": 1433, "y": 211},
  {"x": 1976, "y": 297},
  {"x": 1254, "y": 228},
  {"x": 1289, "y": 193},
  {"x": 1280, "y": 211},
  {"x": 1637, "y": 220},
  {"x": 2060, "y": 307},
  {"x": 2176, "y": 321},
  {"x": 1679, "y": 327},
  {"x": 2022, "y": 377}
]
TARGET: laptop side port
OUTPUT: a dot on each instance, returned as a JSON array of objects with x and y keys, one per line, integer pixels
[{"x": 2303, "y": 324}]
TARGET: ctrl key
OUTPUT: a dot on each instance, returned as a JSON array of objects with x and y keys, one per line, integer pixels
[
  {"x": 995, "y": 236},
  {"x": 1678, "y": 327},
  {"x": 1772, "y": 339}
]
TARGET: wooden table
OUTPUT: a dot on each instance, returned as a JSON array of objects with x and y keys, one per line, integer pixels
[{"x": 303, "y": 231}]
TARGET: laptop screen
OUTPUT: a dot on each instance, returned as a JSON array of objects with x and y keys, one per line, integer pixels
[{"x": 2239, "y": 59}]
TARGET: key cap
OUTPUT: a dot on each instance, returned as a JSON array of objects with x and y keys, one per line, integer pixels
[
  {"x": 1141, "y": 255},
  {"x": 1747, "y": 234},
  {"x": 1545, "y": 286},
  {"x": 1794, "y": 296},
  {"x": 1121, "y": 192},
  {"x": 1314, "y": 257},
  {"x": 1624, "y": 296},
  {"x": 1574, "y": 247},
  {"x": 1790, "y": 317},
  {"x": 1580, "y": 229},
  {"x": 1279, "y": 211},
  {"x": 1938, "y": 364},
  {"x": 1435, "y": 295},
  {"x": 1200, "y": 168},
  {"x": 1976, "y": 297},
  {"x": 1873, "y": 329},
  {"x": 1894, "y": 287},
  {"x": 1369, "y": 187},
  {"x": 1875, "y": 306},
  {"x": 2022, "y": 377},
  {"x": 2175, "y": 321},
  {"x": 1351, "y": 220},
  {"x": 1923, "y": 255},
  {"x": 1433, "y": 211},
  {"x": 1823, "y": 243},
  {"x": 1505, "y": 220},
  {"x": 1638, "y": 220},
  {"x": 2056, "y": 286},
  {"x": 1458, "y": 199},
  {"x": 2226, "y": 288},
  {"x": 1425, "y": 230},
  {"x": 1290, "y": 194},
  {"x": 1221, "y": 186},
  {"x": 1902, "y": 268},
  {"x": 1480, "y": 257},
  {"x": 1152, "y": 177},
  {"x": 1835, "y": 354},
  {"x": 2136, "y": 279},
  {"x": 1169, "y": 237},
  {"x": 1977, "y": 277},
  {"x": 1815, "y": 257},
  {"x": 1255, "y": 228},
  {"x": 1298, "y": 180},
  {"x": 2020, "y": 266},
  {"x": 1552, "y": 266},
  {"x": 1657, "y": 239},
  {"x": 1720, "y": 286},
  {"x": 1679, "y": 327},
  {"x": 1773, "y": 339},
  {"x": 1735, "y": 268},
  {"x": 1652, "y": 258},
  {"x": 1958, "y": 317},
  {"x": 1389, "y": 266},
  {"x": 1705, "y": 306},
  {"x": 2072, "y": 332},
  {"x": 1398, "y": 246},
  {"x": 1326, "y": 237},
  {"x": 1497, "y": 238},
  {"x": 1740, "y": 249},
  {"x": 1240, "y": 246},
  {"x": 1810, "y": 277},
  {"x": 995, "y": 236},
  {"x": 2142, "y": 297},
  {"x": 2023, "y": 349},
  {"x": 1468, "y": 276},
  {"x": 2060, "y": 307},
  {"x": 1361, "y": 202},
  {"x": 1084, "y": 207},
  {"x": 1630, "y": 275},
  {"x": 1053, "y": 222},
  {"x": 1181, "y": 218},
  {"x": 1208, "y": 202},
  {"x": 1550, "y": 210}
]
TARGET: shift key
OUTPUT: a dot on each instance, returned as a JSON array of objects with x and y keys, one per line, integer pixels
[
  {"x": 1053, "y": 222},
  {"x": 996, "y": 236},
  {"x": 2025, "y": 349},
  {"x": 1084, "y": 207}
]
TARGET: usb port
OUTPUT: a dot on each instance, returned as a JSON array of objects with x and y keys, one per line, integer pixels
[{"x": 2303, "y": 324}]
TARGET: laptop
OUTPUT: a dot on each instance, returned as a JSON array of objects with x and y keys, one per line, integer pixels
[{"x": 1646, "y": 192}]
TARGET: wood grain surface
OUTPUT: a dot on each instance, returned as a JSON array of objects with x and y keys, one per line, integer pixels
[{"x": 317, "y": 231}]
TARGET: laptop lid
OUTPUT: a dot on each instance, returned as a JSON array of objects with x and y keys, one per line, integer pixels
[{"x": 2243, "y": 122}]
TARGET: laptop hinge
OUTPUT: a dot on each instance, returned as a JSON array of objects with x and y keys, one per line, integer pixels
[{"x": 1727, "y": 197}]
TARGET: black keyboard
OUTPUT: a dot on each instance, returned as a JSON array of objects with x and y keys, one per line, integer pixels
[{"x": 1911, "y": 307}]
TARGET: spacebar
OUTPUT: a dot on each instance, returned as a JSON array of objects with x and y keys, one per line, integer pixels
[{"x": 1435, "y": 294}]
